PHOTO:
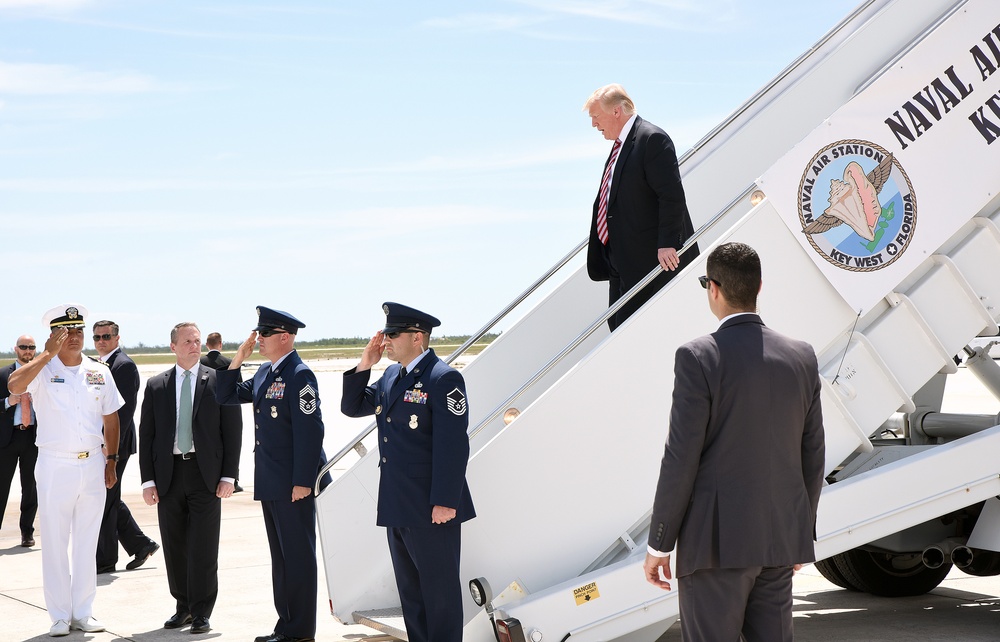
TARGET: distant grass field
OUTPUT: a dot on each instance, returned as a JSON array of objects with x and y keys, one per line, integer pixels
[{"x": 322, "y": 349}]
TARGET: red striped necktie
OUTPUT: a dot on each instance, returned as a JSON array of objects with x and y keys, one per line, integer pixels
[{"x": 602, "y": 207}]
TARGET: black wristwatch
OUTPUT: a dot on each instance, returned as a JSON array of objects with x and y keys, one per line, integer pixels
[{"x": 114, "y": 457}]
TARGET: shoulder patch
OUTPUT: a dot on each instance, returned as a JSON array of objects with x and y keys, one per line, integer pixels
[
  {"x": 457, "y": 404},
  {"x": 308, "y": 400}
]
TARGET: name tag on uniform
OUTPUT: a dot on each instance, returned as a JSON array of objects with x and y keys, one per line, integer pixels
[
  {"x": 415, "y": 396},
  {"x": 57, "y": 380},
  {"x": 275, "y": 391},
  {"x": 95, "y": 379}
]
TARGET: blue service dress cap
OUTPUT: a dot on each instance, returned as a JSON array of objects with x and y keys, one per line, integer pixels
[
  {"x": 401, "y": 317},
  {"x": 268, "y": 319},
  {"x": 69, "y": 315}
]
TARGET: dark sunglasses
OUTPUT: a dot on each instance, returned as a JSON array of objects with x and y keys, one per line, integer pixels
[
  {"x": 31, "y": 347},
  {"x": 103, "y": 337},
  {"x": 704, "y": 281},
  {"x": 396, "y": 333},
  {"x": 270, "y": 332}
]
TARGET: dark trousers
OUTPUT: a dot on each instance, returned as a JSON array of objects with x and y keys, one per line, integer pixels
[
  {"x": 618, "y": 286},
  {"x": 118, "y": 525},
  {"x": 426, "y": 564},
  {"x": 291, "y": 536},
  {"x": 190, "y": 519},
  {"x": 21, "y": 449},
  {"x": 723, "y": 603}
]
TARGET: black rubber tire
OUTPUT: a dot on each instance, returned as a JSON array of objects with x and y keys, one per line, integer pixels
[
  {"x": 828, "y": 569},
  {"x": 889, "y": 575}
]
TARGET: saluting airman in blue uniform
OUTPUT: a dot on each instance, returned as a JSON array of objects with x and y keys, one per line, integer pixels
[
  {"x": 423, "y": 419},
  {"x": 288, "y": 454}
]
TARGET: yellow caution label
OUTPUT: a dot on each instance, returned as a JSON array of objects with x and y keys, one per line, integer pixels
[{"x": 586, "y": 593}]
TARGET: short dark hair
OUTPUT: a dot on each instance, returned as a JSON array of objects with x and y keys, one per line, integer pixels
[
  {"x": 182, "y": 324},
  {"x": 735, "y": 268},
  {"x": 213, "y": 339},
  {"x": 107, "y": 324}
]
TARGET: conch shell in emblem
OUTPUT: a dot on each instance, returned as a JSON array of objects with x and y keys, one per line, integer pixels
[{"x": 854, "y": 200}]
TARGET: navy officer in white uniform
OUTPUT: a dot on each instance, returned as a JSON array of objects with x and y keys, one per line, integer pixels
[
  {"x": 76, "y": 403},
  {"x": 288, "y": 454},
  {"x": 423, "y": 420}
]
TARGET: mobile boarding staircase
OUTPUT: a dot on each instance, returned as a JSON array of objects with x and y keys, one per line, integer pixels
[{"x": 567, "y": 422}]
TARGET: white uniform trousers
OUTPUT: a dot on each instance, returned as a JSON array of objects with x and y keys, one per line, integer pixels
[{"x": 71, "y": 496}]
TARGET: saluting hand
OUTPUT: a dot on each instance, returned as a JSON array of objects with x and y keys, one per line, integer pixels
[
  {"x": 55, "y": 341},
  {"x": 372, "y": 352},
  {"x": 244, "y": 351}
]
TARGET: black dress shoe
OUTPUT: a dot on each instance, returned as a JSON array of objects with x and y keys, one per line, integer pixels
[
  {"x": 200, "y": 625},
  {"x": 237, "y": 488},
  {"x": 27, "y": 541},
  {"x": 144, "y": 554},
  {"x": 101, "y": 570},
  {"x": 278, "y": 637},
  {"x": 264, "y": 638},
  {"x": 177, "y": 620}
]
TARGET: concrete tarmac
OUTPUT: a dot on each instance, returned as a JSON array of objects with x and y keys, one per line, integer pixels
[{"x": 134, "y": 604}]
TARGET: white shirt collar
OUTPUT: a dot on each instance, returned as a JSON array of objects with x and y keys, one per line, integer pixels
[
  {"x": 275, "y": 364},
  {"x": 727, "y": 318},
  {"x": 412, "y": 364},
  {"x": 627, "y": 128}
]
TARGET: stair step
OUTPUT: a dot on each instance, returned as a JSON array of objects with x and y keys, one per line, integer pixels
[{"x": 388, "y": 621}]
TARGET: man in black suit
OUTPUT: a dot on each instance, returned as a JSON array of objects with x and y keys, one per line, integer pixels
[
  {"x": 218, "y": 361},
  {"x": 189, "y": 457},
  {"x": 742, "y": 468},
  {"x": 640, "y": 217},
  {"x": 118, "y": 525},
  {"x": 17, "y": 443}
]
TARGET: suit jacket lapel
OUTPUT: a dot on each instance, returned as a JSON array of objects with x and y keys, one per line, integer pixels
[
  {"x": 627, "y": 146},
  {"x": 201, "y": 382},
  {"x": 172, "y": 404}
]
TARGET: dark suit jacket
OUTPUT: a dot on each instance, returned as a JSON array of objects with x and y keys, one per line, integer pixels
[
  {"x": 217, "y": 430},
  {"x": 7, "y": 417},
  {"x": 743, "y": 464},
  {"x": 218, "y": 361},
  {"x": 646, "y": 208},
  {"x": 126, "y": 376},
  {"x": 423, "y": 439},
  {"x": 288, "y": 430}
]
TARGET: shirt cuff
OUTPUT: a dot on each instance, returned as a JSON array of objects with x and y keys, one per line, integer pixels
[
  {"x": 228, "y": 480},
  {"x": 655, "y": 553},
  {"x": 149, "y": 484}
]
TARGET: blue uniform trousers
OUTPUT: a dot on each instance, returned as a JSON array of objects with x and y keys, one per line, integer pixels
[
  {"x": 291, "y": 535},
  {"x": 426, "y": 564}
]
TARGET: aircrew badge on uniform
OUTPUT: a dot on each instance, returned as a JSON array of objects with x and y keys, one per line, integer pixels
[
  {"x": 307, "y": 400},
  {"x": 418, "y": 385},
  {"x": 457, "y": 403},
  {"x": 413, "y": 422}
]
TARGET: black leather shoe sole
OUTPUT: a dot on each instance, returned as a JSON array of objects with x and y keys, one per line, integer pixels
[
  {"x": 142, "y": 556},
  {"x": 177, "y": 620}
]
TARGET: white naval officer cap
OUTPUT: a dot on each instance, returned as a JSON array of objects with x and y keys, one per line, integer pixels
[{"x": 69, "y": 315}]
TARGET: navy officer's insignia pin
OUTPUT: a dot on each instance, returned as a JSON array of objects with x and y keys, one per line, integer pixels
[
  {"x": 307, "y": 400},
  {"x": 72, "y": 313},
  {"x": 457, "y": 403},
  {"x": 385, "y": 309},
  {"x": 274, "y": 412}
]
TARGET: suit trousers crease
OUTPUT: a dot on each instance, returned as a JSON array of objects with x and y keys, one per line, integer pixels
[
  {"x": 426, "y": 565},
  {"x": 721, "y": 604},
  {"x": 22, "y": 454},
  {"x": 190, "y": 519},
  {"x": 117, "y": 524},
  {"x": 291, "y": 536}
]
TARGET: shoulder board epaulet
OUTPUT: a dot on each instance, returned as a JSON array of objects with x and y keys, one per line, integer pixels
[{"x": 96, "y": 359}]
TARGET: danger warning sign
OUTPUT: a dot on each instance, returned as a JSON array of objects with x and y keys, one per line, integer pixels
[{"x": 587, "y": 593}]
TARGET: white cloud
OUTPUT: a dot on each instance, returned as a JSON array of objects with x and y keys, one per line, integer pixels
[{"x": 43, "y": 79}]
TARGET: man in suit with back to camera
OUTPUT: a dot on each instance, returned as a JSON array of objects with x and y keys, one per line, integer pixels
[
  {"x": 742, "y": 468},
  {"x": 640, "y": 218},
  {"x": 189, "y": 457},
  {"x": 118, "y": 525},
  {"x": 422, "y": 415},
  {"x": 217, "y": 361},
  {"x": 288, "y": 456},
  {"x": 18, "y": 426}
]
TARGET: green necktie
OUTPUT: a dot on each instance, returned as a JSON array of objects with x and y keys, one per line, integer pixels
[{"x": 184, "y": 437}]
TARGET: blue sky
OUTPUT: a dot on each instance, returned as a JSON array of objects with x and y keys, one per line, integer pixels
[{"x": 170, "y": 161}]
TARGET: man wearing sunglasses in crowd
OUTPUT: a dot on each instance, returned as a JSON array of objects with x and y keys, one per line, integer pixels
[
  {"x": 118, "y": 524},
  {"x": 17, "y": 443},
  {"x": 288, "y": 454}
]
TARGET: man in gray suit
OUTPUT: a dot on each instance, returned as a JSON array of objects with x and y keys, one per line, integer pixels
[{"x": 742, "y": 468}]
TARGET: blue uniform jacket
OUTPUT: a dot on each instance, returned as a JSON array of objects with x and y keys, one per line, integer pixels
[
  {"x": 288, "y": 425},
  {"x": 423, "y": 439}
]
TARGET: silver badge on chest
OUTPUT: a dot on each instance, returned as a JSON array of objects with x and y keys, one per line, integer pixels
[
  {"x": 413, "y": 422},
  {"x": 274, "y": 412}
]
